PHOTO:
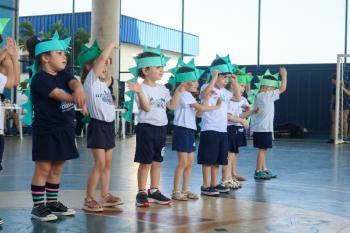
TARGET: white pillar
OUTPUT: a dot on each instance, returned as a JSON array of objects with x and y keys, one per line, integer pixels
[{"x": 105, "y": 24}]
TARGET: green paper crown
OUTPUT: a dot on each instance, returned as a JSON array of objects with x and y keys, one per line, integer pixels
[
  {"x": 54, "y": 44},
  {"x": 87, "y": 54},
  {"x": 223, "y": 68},
  {"x": 159, "y": 60},
  {"x": 265, "y": 80},
  {"x": 243, "y": 77},
  {"x": 193, "y": 75},
  {"x": 3, "y": 23}
]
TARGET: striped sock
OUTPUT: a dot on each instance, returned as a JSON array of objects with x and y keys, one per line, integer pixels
[
  {"x": 52, "y": 192},
  {"x": 38, "y": 194}
]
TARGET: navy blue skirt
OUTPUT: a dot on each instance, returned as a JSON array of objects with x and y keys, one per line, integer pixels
[
  {"x": 101, "y": 134},
  {"x": 183, "y": 139},
  {"x": 55, "y": 145}
]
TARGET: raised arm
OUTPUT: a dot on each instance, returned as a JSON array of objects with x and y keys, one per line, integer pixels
[
  {"x": 283, "y": 73},
  {"x": 172, "y": 104},
  {"x": 99, "y": 65},
  {"x": 236, "y": 89},
  {"x": 206, "y": 91}
]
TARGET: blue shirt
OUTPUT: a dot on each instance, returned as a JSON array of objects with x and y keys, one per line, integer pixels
[{"x": 48, "y": 112}]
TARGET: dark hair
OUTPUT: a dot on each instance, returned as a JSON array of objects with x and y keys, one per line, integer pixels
[
  {"x": 218, "y": 61},
  {"x": 84, "y": 71},
  {"x": 143, "y": 55},
  {"x": 30, "y": 44},
  {"x": 184, "y": 70}
]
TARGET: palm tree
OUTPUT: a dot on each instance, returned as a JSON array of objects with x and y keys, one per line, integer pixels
[{"x": 26, "y": 31}]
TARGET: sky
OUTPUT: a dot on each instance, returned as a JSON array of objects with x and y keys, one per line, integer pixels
[{"x": 292, "y": 31}]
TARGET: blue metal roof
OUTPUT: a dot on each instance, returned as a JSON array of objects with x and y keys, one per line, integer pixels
[{"x": 132, "y": 31}]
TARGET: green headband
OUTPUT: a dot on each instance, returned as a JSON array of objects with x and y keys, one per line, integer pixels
[
  {"x": 223, "y": 68},
  {"x": 192, "y": 75},
  {"x": 264, "y": 81},
  {"x": 54, "y": 44},
  {"x": 246, "y": 79},
  {"x": 88, "y": 54},
  {"x": 3, "y": 23},
  {"x": 159, "y": 60}
]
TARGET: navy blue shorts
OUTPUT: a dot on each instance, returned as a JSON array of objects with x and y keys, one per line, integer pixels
[
  {"x": 57, "y": 145},
  {"x": 183, "y": 139},
  {"x": 262, "y": 140},
  {"x": 100, "y": 134},
  {"x": 213, "y": 148},
  {"x": 2, "y": 144},
  {"x": 236, "y": 138},
  {"x": 150, "y": 143}
]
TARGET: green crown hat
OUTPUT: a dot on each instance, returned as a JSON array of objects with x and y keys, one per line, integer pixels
[
  {"x": 54, "y": 44},
  {"x": 88, "y": 53},
  {"x": 3, "y": 23},
  {"x": 159, "y": 60},
  {"x": 223, "y": 68},
  {"x": 189, "y": 76},
  {"x": 243, "y": 77},
  {"x": 268, "y": 79}
]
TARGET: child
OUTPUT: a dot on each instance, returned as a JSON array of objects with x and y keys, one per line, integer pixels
[
  {"x": 262, "y": 122},
  {"x": 185, "y": 126},
  {"x": 152, "y": 100},
  {"x": 9, "y": 78},
  {"x": 100, "y": 132},
  {"x": 236, "y": 135},
  {"x": 53, "y": 92},
  {"x": 213, "y": 145}
]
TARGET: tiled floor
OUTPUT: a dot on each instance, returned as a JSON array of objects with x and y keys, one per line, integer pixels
[{"x": 312, "y": 194}]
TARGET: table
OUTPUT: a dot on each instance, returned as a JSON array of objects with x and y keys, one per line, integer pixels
[{"x": 13, "y": 107}]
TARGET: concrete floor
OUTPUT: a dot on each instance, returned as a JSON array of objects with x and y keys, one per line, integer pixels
[{"x": 312, "y": 193}]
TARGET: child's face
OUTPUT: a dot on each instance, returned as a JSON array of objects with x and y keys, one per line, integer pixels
[
  {"x": 267, "y": 88},
  {"x": 221, "y": 82},
  {"x": 242, "y": 88},
  {"x": 57, "y": 60},
  {"x": 191, "y": 86},
  {"x": 154, "y": 73}
]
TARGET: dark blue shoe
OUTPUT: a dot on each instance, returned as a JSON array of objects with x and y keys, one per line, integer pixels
[{"x": 209, "y": 191}]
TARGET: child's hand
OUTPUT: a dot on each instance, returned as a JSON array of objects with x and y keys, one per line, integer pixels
[
  {"x": 283, "y": 71},
  {"x": 233, "y": 78},
  {"x": 245, "y": 107},
  {"x": 135, "y": 87},
  {"x": 79, "y": 98},
  {"x": 209, "y": 95},
  {"x": 255, "y": 110},
  {"x": 181, "y": 88},
  {"x": 85, "y": 111},
  {"x": 245, "y": 124},
  {"x": 11, "y": 47},
  {"x": 218, "y": 102},
  {"x": 215, "y": 75}
]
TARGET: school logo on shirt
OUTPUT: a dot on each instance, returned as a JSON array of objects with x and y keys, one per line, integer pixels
[
  {"x": 66, "y": 106},
  {"x": 157, "y": 103},
  {"x": 106, "y": 97}
]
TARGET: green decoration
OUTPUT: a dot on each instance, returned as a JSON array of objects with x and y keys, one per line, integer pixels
[
  {"x": 271, "y": 80},
  {"x": 3, "y": 23},
  {"x": 88, "y": 53},
  {"x": 54, "y": 44}
]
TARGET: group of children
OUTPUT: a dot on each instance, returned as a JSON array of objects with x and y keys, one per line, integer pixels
[{"x": 55, "y": 93}]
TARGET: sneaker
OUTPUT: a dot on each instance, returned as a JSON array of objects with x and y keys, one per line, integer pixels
[
  {"x": 1, "y": 221},
  {"x": 58, "y": 208},
  {"x": 261, "y": 175},
  {"x": 109, "y": 200},
  {"x": 90, "y": 204},
  {"x": 271, "y": 174},
  {"x": 209, "y": 191},
  {"x": 179, "y": 196},
  {"x": 43, "y": 213},
  {"x": 158, "y": 198},
  {"x": 142, "y": 200},
  {"x": 222, "y": 189}
]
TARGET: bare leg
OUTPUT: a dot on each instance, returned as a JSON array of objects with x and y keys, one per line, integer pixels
[
  {"x": 142, "y": 175},
  {"x": 179, "y": 171},
  {"x": 187, "y": 173}
]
